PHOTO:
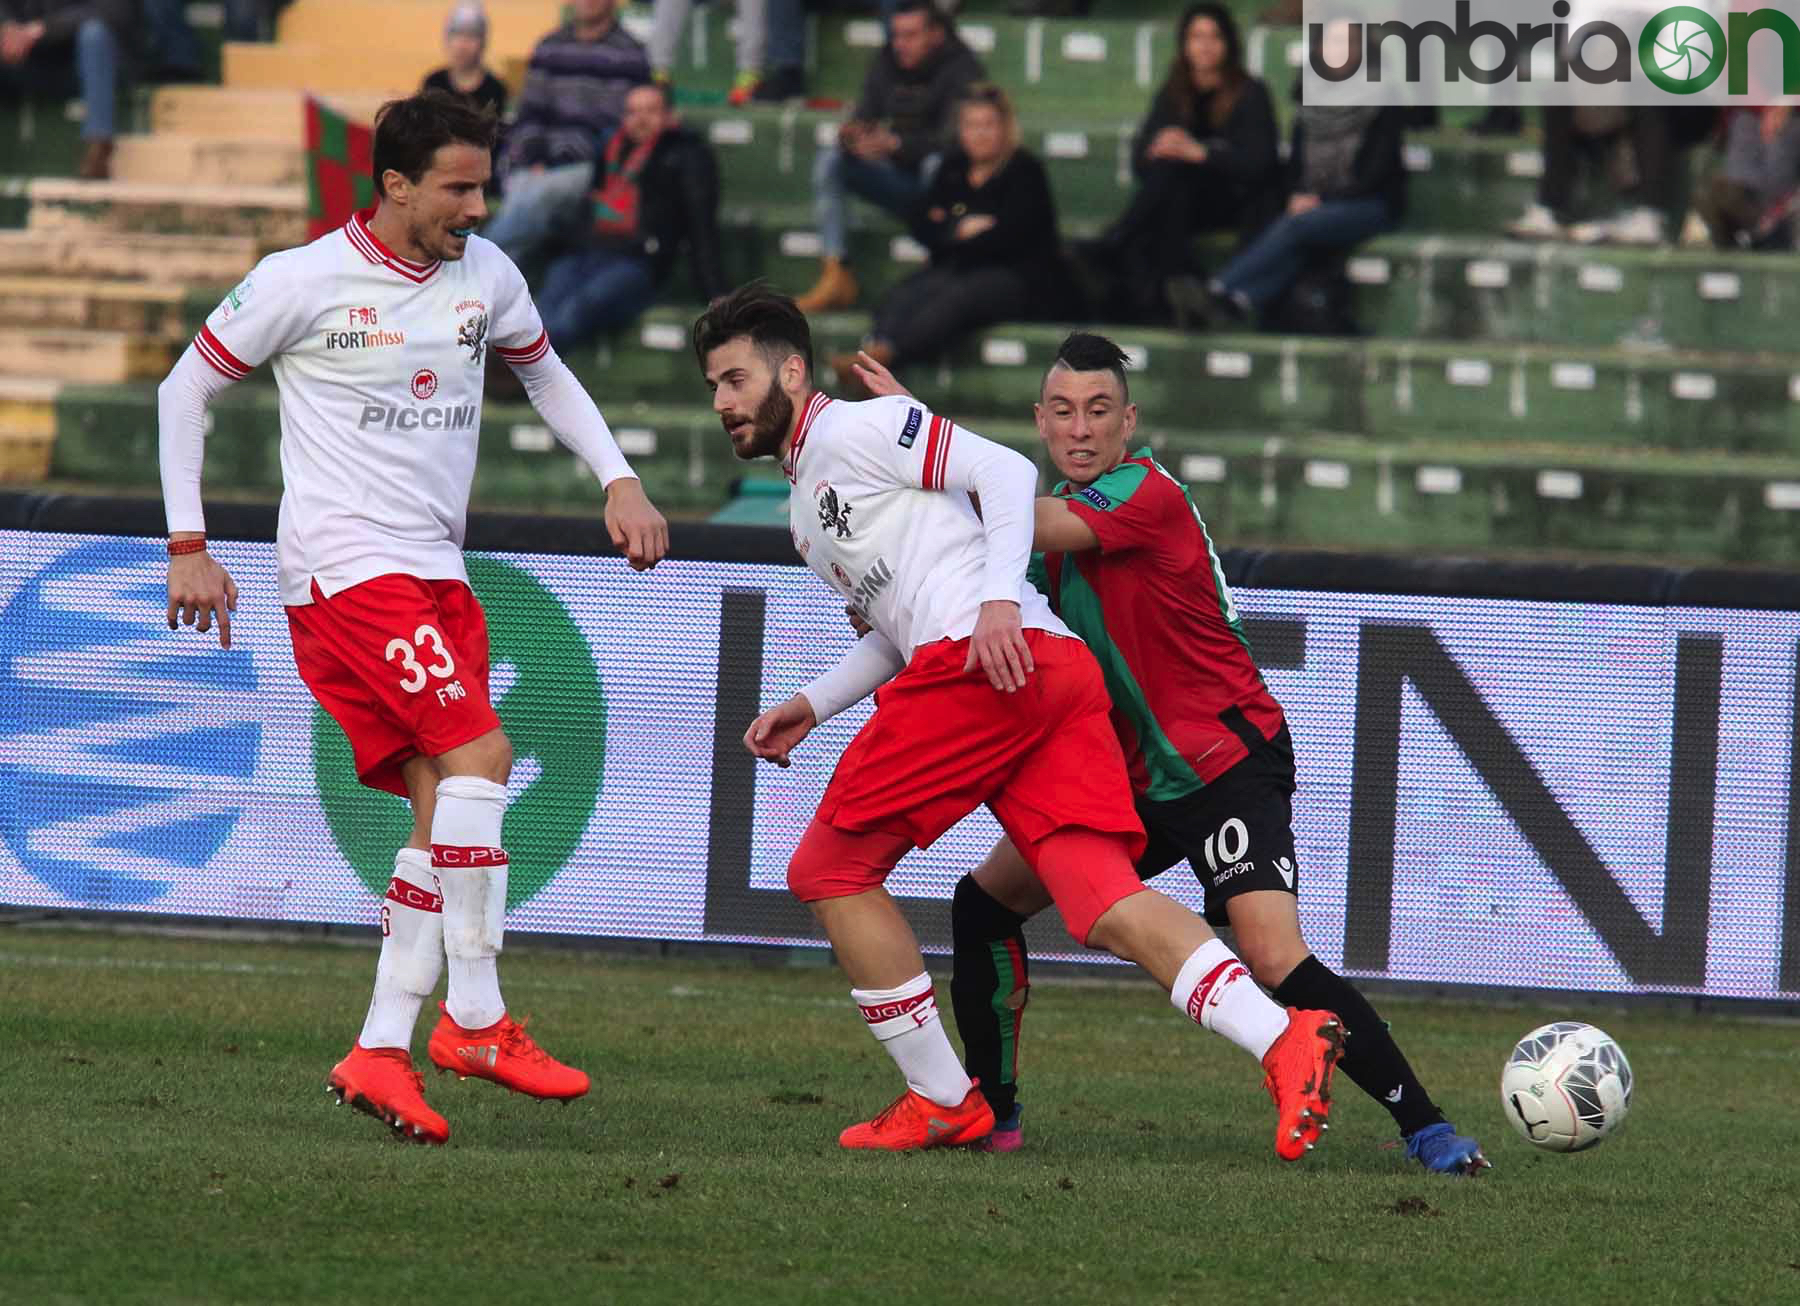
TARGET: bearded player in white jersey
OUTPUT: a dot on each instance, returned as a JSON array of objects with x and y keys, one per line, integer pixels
[
  {"x": 378, "y": 334},
  {"x": 984, "y": 697}
]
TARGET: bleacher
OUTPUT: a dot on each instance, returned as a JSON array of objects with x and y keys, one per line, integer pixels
[{"x": 1505, "y": 396}]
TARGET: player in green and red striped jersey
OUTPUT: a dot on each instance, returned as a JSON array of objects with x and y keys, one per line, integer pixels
[{"x": 1127, "y": 563}]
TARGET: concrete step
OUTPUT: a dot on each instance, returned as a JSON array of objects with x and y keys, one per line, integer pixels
[
  {"x": 160, "y": 260},
  {"x": 207, "y": 161},
  {"x": 275, "y": 216},
  {"x": 235, "y": 114},
  {"x": 514, "y": 26},
  {"x": 27, "y": 428},
  {"x": 97, "y": 357},
  {"x": 155, "y": 311}
]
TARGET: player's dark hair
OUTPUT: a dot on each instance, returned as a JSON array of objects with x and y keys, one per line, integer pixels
[
  {"x": 769, "y": 318},
  {"x": 1083, "y": 351},
  {"x": 409, "y": 132}
]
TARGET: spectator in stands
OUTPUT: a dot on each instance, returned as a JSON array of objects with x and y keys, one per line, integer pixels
[
  {"x": 1207, "y": 158},
  {"x": 655, "y": 189},
  {"x": 252, "y": 20},
  {"x": 1751, "y": 202},
  {"x": 889, "y": 148},
  {"x": 784, "y": 59},
  {"x": 573, "y": 99},
  {"x": 464, "y": 74},
  {"x": 50, "y": 47},
  {"x": 173, "y": 47},
  {"x": 670, "y": 20},
  {"x": 989, "y": 221},
  {"x": 1349, "y": 183},
  {"x": 1631, "y": 152}
]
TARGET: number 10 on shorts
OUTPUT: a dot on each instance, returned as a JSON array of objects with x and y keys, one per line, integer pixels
[{"x": 425, "y": 643}]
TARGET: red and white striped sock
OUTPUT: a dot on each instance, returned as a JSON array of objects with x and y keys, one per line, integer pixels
[
  {"x": 471, "y": 866},
  {"x": 412, "y": 952},
  {"x": 905, "y": 1021},
  {"x": 1217, "y": 992}
]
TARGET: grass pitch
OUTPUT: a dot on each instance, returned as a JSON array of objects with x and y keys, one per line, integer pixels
[{"x": 167, "y": 1137}]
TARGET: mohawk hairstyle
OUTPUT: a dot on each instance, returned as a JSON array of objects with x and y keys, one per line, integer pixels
[
  {"x": 1084, "y": 351},
  {"x": 769, "y": 318}
]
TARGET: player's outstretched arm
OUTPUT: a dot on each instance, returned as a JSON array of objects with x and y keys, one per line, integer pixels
[
  {"x": 200, "y": 590},
  {"x": 637, "y": 529},
  {"x": 1056, "y": 528},
  {"x": 1004, "y": 483},
  {"x": 866, "y": 666}
]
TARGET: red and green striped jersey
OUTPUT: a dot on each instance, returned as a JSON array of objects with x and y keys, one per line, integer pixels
[{"x": 1153, "y": 605}]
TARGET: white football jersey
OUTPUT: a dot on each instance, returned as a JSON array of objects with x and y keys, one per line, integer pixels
[
  {"x": 879, "y": 511},
  {"x": 379, "y": 362}
]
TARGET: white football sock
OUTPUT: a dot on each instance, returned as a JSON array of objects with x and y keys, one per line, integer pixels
[
  {"x": 1216, "y": 990},
  {"x": 412, "y": 952},
  {"x": 905, "y": 1021},
  {"x": 471, "y": 867}
]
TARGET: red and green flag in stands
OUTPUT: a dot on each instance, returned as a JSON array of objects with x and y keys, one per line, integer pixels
[{"x": 338, "y": 165}]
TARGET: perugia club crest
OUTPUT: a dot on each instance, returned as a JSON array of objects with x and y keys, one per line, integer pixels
[
  {"x": 424, "y": 383},
  {"x": 472, "y": 336},
  {"x": 833, "y": 514}
]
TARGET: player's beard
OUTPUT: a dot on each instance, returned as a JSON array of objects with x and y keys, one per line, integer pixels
[
  {"x": 438, "y": 242},
  {"x": 768, "y": 426}
]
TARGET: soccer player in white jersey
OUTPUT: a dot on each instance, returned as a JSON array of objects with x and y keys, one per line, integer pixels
[
  {"x": 378, "y": 334},
  {"x": 985, "y": 697}
]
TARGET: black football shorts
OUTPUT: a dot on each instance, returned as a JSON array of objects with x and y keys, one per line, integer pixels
[{"x": 1237, "y": 832}]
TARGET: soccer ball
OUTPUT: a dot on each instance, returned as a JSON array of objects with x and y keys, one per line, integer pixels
[{"x": 1566, "y": 1086}]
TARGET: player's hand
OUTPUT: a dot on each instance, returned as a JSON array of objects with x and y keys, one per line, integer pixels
[
  {"x": 857, "y": 622},
  {"x": 999, "y": 646},
  {"x": 200, "y": 590},
  {"x": 779, "y": 730},
  {"x": 876, "y": 379},
  {"x": 637, "y": 528},
  {"x": 1303, "y": 203}
]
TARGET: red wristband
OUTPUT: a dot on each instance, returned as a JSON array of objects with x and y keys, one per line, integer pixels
[{"x": 179, "y": 547}]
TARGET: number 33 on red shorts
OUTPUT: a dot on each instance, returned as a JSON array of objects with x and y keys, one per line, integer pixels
[{"x": 401, "y": 664}]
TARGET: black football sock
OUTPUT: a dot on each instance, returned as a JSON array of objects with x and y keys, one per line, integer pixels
[
  {"x": 988, "y": 990},
  {"x": 1372, "y": 1059}
]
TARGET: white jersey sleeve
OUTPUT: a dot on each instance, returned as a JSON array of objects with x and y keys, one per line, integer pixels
[
  {"x": 567, "y": 408},
  {"x": 868, "y": 665},
  {"x": 518, "y": 334},
  {"x": 261, "y": 316},
  {"x": 928, "y": 452},
  {"x": 257, "y": 319}
]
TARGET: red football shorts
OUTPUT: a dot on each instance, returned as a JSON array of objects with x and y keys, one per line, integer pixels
[
  {"x": 944, "y": 741},
  {"x": 401, "y": 664}
]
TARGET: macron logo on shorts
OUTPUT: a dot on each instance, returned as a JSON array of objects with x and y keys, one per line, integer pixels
[{"x": 450, "y": 854}]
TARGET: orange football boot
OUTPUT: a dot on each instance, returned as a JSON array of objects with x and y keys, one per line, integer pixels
[
  {"x": 382, "y": 1082},
  {"x": 1298, "y": 1068},
  {"x": 506, "y": 1054},
  {"x": 914, "y": 1121}
]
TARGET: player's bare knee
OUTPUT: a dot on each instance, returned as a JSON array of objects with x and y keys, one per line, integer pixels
[{"x": 488, "y": 758}]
